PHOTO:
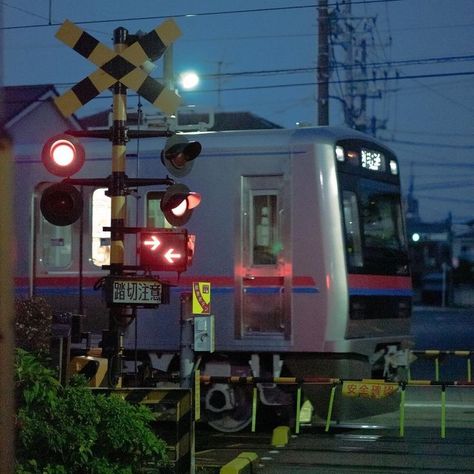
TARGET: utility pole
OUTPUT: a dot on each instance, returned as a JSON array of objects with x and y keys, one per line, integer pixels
[
  {"x": 356, "y": 36},
  {"x": 323, "y": 63}
]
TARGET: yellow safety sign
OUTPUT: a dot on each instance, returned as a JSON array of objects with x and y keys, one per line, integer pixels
[
  {"x": 369, "y": 389},
  {"x": 201, "y": 297}
]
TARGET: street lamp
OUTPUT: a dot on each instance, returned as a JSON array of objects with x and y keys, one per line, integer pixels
[{"x": 188, "y": 80}]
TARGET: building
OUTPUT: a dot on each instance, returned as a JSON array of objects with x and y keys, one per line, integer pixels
[
  {"x": 30, "y": 116},
  {"x": 185, "y": 120}
]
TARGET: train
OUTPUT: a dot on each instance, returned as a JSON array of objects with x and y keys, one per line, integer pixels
[{"x": 300, "y": 234}]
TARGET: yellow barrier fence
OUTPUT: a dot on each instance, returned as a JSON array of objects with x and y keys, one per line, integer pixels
[
  {"x": 437, "y": 355},
  {"x": 362, "y": 388}
]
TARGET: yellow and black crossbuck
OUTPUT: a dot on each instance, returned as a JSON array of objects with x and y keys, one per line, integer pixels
[{"x": 126, "y": 67}]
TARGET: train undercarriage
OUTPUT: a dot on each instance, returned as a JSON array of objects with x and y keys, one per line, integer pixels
[{"x": 228, "y": 383}]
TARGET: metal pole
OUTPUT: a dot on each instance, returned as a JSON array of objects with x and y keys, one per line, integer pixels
[
  {"x": 186, "y": 354},
  {"x": 323, "y": 63},
  {"x": 118, "y": 214},
  {"x": 168, "y": 71}
]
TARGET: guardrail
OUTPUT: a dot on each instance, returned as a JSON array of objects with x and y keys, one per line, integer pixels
[{"x": 437, "y": 355}]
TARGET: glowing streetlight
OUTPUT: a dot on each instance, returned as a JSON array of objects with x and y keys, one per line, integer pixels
[{"x": 188, "y": 80}]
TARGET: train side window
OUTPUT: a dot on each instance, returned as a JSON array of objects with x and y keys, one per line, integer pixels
[
  {"x": 101, "y": 214},
  {"x": 264, "y": 229},
  {"x": 56, "y": 248},
  {"x": 154, "y": 215},
  {"x": 352, "y": 225}
]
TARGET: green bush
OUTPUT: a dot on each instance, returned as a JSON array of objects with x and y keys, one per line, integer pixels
[
  {"x": 69, "y": 430},
  {"x": 33, "y": 324}
]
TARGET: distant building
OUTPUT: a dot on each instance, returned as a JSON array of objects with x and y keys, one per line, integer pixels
[
  {"x": 463, "y": 250},
  {"x": 213, "y": 121},
  {"x": 30, "y": 116}
]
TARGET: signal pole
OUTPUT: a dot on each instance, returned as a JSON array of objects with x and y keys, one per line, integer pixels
[{"x": 118, "y": 212}]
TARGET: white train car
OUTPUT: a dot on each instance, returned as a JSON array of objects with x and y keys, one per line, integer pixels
[{"x": 300, "y": 233}]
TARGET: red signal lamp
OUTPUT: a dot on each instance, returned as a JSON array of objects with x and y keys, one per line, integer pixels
[
  {"x": 63, "y": 155},
  {"x": 178, "y": 204},
  {"x": 61, "y": 204}
]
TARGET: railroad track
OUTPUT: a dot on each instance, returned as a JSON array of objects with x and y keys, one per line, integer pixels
[{"x": 366, "y": 446}]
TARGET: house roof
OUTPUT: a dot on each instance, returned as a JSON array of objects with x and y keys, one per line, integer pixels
[
  {"x": 21, "y": 100},
  {"x": 17, "y": 99},
  {"x": 237, "y": 121},
  {"x": 222, "y": 120}
]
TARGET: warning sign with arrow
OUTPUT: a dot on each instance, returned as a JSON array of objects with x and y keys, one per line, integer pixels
[
  {"x": 202, "y": 297},
  {"x": 164, "y": 249}
]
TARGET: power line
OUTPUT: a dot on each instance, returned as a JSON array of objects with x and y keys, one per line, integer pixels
[
  {"x": 199, "y": 14},
  {"x": 312, "y": 69},
  {"x": 343, "y": 81},
  {"x": 428, "y": 144}
]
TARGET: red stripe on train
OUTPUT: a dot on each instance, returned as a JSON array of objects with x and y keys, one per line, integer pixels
[
  {"x": 379, "y": 281},
  {"x": 215, "y": 280}
]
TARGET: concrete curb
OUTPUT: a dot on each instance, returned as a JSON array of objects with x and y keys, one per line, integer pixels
[{"x": 242, "y": 464}]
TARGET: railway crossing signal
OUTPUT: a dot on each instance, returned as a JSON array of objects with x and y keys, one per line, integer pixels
[
  {"x": 125, "y": 66},
  {"x": 179, "y": 154},
  {"x": 63, "y": 155},
  {"x": 61, "y": 203},
  {"x": 178, "y": 203}
]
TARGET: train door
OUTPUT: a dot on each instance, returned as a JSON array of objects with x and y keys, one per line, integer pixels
[{"x": 263, "y": 287}]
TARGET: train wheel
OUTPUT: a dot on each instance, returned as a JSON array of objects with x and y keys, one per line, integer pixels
[{"x": 228, "y": 408}]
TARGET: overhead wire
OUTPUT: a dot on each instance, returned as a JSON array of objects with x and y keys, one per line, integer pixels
[{"x": 198, "y": 14}]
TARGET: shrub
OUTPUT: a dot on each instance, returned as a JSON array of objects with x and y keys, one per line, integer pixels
[
  {"x": 69, "y": 430},
  {"x": 33, "y": 324}
]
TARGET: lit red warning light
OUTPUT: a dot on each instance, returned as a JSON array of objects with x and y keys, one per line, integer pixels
[
  {"x": 164, "y": 250},
  {"x": 63, "y": 155}
]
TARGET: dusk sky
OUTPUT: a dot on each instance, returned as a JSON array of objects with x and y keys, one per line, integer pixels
[{"x": 266, "y": 54}]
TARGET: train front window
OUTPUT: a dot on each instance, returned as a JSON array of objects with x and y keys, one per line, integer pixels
[
  {"x": 384, "y": 243},
  {"x": 377, "y": 243}
]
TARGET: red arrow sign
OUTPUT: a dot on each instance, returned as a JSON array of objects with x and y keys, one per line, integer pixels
[
  {"x": 170, "y": 256},
  {"x": 154, "y": 243},
  {"x": 164, "y": 249}
]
